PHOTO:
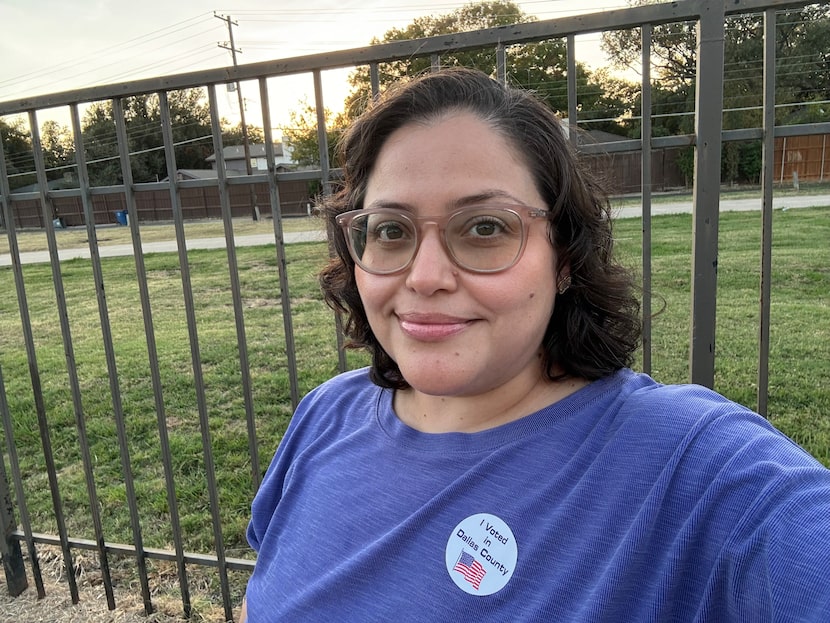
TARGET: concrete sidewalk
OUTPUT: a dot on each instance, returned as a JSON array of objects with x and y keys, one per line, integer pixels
[
  {"x": 168, "y": 246},
  {"x": 678, "y": 207},
  {"x": 729, "y": 205}
]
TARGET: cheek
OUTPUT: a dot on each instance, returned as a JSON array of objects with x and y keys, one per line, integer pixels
[
  {"x": 364, "y": 289},
  {"x": 374, "y": 291}
]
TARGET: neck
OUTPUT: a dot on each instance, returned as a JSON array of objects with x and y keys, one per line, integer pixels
[{"x": 469, "y": 414}]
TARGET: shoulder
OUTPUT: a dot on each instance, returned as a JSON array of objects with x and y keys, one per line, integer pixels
[
  {"x": 641, "y": 393},
  {"x": 332, "y": 403},
  {"x": 690, "y": 429},
  {"x": 687, "y": 411},
  {"x": 328, "y": 413},
  {"x": 342, "y": 390}
]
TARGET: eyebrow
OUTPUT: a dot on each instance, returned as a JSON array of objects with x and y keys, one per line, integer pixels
[{"x": 484, "y": 196}]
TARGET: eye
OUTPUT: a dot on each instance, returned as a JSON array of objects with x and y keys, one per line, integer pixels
[
  {"x": 485, "y": 226},
  {"x": 389, "y": 230}
]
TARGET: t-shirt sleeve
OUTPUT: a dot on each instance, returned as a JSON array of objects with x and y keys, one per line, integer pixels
[
  {"x": 779, "y": 553},
  {"x": 270, "y": 491},
  {"x": 749, "y": 500},
  {"x": 319, "y": 413}
]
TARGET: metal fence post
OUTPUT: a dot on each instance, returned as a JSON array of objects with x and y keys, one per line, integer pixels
[
  {"x": 706, "y": 202},
  {"x": 9, "y": 545}
]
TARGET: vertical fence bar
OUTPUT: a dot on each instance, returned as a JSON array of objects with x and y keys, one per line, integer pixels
[
  {"x": 10, "y": 551},
  {"x": 141, "y": 273},
  {"x": 322, "y": 134},
  {"x": 144, "y": 295},
  {"x": 282, "y": 271},
  {"x": 572, "y": 103},
  {"x": 8, "y": 425},
  {"x": 374, "y": 80},
  {"x": 204, "y": 419},
  {"x": 325, "y": 173},
  {"x": 45, "y": 433},
  {"x": 16, "y": 581},
  {"x": 86, "y": 201},
  {"x": 645, "y": 138},
  {"x": 5, "y": 190},
  {"x": 164, "y": 440},
  {"x": 236, "y": 292},
  {"x": 501, "y": 63},
  {"x": 706, "y": 195},
  {"x": 242, "y": 343},
  {"x": 767, "y": 173}
]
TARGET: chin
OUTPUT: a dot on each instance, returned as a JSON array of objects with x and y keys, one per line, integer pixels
[{"x": 436, "y": 383}]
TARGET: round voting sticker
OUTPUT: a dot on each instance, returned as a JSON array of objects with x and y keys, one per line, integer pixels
[{"x": 481, "y": 554}]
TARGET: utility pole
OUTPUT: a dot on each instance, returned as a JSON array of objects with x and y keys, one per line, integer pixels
[{"x": 229, "y": 45}]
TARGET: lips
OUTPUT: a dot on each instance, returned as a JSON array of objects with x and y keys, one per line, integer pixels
[{"x": 432, "y": 327}]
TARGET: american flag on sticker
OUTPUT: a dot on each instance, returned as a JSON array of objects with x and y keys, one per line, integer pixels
[{"x": 470, "y": 568}]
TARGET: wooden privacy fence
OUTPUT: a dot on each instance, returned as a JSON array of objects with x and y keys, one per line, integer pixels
[
  {"x": 202, "y": 202},
  {"x": 20, "y": 535},
  {"x": 802, "y": 159}
]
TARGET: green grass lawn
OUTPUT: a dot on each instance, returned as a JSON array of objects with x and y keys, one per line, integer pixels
[{"x": 799, "y": 368}]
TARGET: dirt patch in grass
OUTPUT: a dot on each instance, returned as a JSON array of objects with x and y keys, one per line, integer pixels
[{"x": 57, "y": 606}]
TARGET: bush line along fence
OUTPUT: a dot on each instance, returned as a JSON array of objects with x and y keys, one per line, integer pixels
[{"x": 710, "y": 18}]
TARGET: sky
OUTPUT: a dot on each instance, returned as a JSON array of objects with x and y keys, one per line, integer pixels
[{"x": 49, "y": 46}]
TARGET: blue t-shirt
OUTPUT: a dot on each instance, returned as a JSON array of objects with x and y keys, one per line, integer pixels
[{"x": 626, "y": 501}]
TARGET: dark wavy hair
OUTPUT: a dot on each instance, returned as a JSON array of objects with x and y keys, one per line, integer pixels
[{"x": 595, "y": 326}]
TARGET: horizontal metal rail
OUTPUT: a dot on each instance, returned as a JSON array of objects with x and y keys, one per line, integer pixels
[{"x": 192, "y": 558}]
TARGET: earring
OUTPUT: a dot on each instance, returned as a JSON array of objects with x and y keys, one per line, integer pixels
[{"x": 564, "y": 284}]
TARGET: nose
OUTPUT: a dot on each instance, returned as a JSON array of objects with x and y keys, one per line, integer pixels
[{"x": 432, "y": 269}]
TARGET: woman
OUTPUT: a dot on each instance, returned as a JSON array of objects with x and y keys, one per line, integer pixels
[{"x": 499, "y": 460}]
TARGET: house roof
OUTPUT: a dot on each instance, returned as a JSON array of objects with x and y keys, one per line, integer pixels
[
  {"x": 210, "y": 174},
  {"x": 237, "y": 152},
  {"x": 601, "y": 136},
  {"x": 203, "y": 174},
  {"x": 586, "y": 137},
  {"x": 58, "y": 184}
]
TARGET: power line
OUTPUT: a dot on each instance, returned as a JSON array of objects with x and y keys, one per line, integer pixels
[
  {"x": 111, "y": 158},
  {"x": 140, "y": 40}
]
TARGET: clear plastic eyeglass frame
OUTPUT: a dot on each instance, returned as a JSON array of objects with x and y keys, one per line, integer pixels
[{"x": 479, "y": 239}]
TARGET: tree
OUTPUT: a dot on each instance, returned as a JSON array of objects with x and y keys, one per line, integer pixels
[
  {"x": 802, "y": 63},
  {"x": 538, "y": 66},
  {"x": 301, "y": 134},
  {"x": 58, "y": 149},
  {"x": 191, "y": 128},
  {"x": 232, "y": 135},
  {"x": 802, "y": 75},
  {"x": 17, "y": 148},
  {"x": 612, "y": 105},
  {"x": 100, "y": 145}
]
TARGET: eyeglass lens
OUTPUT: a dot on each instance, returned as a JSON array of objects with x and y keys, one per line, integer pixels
[{"x": 478, "y": 239}]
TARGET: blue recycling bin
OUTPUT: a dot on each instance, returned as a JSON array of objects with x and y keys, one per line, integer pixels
[{"x": 121, "y": 217}]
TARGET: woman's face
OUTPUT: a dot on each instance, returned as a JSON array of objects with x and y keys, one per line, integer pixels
[{"x": 453, "y": 332}]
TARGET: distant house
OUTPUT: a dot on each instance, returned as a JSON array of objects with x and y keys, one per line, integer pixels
[
  {"x": 620, "y": 172},
  {"x": 202, "y": 174},
  {"x": 62, "y": 183},
  {"x": 234, "y": 156}
]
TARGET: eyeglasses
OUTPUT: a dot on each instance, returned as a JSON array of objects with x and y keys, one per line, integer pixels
[{"x": 480, "y": 239}]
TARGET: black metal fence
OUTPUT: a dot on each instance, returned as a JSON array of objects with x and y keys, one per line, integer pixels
[{"x": 710, "y": 18}]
